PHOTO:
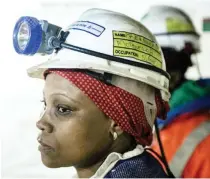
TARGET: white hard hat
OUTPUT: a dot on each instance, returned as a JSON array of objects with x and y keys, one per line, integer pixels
[
  {"x": 172, "y": 27},
  {"x": 116, "y": 35}
]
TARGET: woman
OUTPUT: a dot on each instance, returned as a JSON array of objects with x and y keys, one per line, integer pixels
[{"x": 100, "y": 107}]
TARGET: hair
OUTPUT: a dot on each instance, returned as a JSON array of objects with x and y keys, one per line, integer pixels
[{"x": 179, "y": 61}]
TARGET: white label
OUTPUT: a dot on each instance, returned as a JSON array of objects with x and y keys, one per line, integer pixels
[{"x": 89, "y": 27}]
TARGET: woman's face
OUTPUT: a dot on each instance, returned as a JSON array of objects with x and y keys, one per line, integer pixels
[{"x": 74, "y": 132}]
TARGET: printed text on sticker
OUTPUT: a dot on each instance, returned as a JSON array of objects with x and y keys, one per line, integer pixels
[{"x": 138, "y": 47}]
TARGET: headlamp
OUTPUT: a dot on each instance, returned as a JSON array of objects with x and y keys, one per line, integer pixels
[{"x": 31, "y": 36}]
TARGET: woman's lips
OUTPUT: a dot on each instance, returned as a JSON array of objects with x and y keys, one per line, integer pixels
[{"x": 44, "y": 147}]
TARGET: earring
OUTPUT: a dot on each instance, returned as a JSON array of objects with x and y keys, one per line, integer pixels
[{"x": 114, "y": 136}]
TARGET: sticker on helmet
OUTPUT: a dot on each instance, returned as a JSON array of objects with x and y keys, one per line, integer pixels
[
  {"x": 89, "y": 27},
  {"x": 127, "y": 44},
  {"x": 178, "y": 25}
]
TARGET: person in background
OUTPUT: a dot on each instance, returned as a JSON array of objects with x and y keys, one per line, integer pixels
[
  {"x": 185, "y": 134},
  {"x": 104, "y": 88}
]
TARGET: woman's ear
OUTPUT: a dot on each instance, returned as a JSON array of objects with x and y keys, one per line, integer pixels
[{"x": 115, "y": 130}]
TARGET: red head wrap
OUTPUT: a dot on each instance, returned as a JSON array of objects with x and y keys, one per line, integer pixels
[{"x": 124, "y": 108}]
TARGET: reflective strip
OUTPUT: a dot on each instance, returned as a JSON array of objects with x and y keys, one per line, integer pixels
[{"x": 187, "y": 148}]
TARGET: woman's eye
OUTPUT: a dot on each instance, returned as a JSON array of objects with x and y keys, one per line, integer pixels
[{"x": 63, "y": 110}]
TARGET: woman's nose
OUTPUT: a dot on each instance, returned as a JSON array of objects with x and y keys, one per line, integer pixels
[{"x": 43, "y": 124}]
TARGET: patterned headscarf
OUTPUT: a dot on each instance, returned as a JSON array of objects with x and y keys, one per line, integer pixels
[{"x": 126, "y": 109}]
